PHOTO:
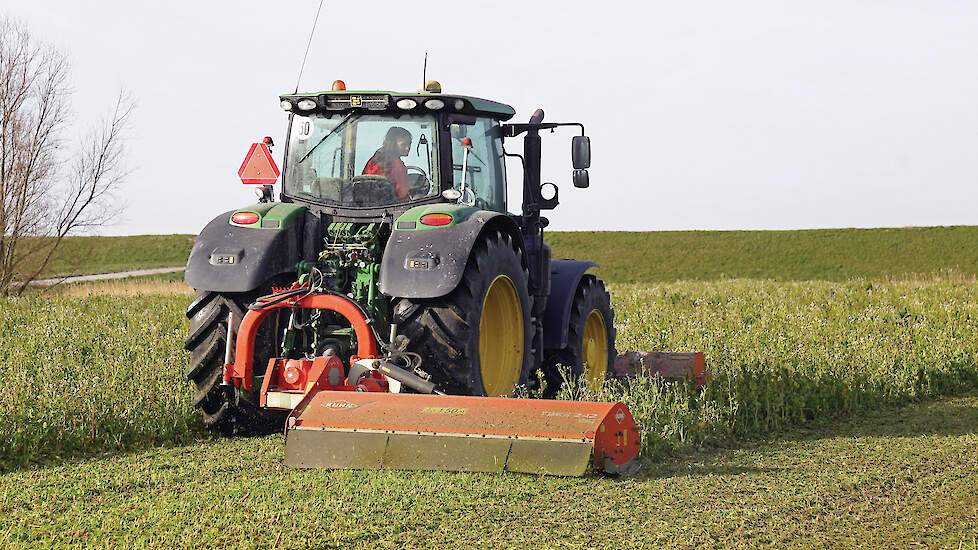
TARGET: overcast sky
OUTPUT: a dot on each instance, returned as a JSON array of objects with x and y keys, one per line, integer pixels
[{"x": 702, "y": 115}]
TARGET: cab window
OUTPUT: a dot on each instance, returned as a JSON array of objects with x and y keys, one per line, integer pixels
[
  {"x": 484, "y": 169},
  {"x": 362, "y": 160}
]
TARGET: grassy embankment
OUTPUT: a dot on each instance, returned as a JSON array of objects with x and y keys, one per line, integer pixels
[
  {"x": 629, "y": 257},
  {"x": 816, "y": 254},
  {"x": 85, "y": 255}
]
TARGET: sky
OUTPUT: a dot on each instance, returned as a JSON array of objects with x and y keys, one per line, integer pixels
[{"x": 702, "y": 115}]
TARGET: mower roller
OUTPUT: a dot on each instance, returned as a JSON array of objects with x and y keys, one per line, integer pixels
[{"x": 386, "y": 309}]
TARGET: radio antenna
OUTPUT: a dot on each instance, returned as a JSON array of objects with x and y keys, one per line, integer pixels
[
  {"x": 424, "y": 73},
  {"x": 309, "y": 43}
]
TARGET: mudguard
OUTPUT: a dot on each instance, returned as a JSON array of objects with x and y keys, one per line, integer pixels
[
  {"x": 565, "y": 276},
  {"x": 423, "y": 261},
  {"x": 230, "y": 257}
]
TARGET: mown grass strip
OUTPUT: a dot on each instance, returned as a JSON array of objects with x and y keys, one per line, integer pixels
[{"x": 895, "y": 478}]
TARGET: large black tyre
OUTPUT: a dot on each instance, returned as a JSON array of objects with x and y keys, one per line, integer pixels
[
  {"x": 590, "y": 350},
  {"x": 226, "y": 410},
  {"x": 477, "y": 339}
]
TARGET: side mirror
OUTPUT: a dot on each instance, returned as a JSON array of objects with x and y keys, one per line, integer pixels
[
  {"x": 581, "y": 179},
  {"x": 581, "y": 153}
]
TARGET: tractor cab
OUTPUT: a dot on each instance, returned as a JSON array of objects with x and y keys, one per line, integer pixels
[{"x": 375, "y": 153}]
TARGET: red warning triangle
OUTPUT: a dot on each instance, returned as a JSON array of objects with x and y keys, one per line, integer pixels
[{"x": 258, "y": 166}]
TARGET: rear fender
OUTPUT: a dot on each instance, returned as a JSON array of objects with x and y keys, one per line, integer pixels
[
  {"x": 565, "y": 277},
  {"x": 428, "y": 261},
  {"x": 229, "y": 257}
]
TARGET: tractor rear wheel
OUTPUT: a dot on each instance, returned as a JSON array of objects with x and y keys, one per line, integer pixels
[
  {"x": 226, "y": 409},
  {"x": 590, "y": 351},
  {"x": 477, "y": 339}
]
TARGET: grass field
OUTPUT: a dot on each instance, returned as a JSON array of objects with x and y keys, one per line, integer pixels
[
  {"x": 99, "y": 443},
  {"x": 630, "y": 257},
  {"x": 106, "y": 372}
]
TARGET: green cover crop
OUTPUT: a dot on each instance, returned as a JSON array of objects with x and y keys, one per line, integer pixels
[{"x": 93, "y": 374}]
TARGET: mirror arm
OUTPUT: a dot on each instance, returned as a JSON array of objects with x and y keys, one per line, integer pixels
[{"x": 513, "y": 130}]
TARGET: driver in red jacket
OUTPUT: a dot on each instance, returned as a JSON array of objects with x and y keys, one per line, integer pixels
[{"x": 387, "y": 160}]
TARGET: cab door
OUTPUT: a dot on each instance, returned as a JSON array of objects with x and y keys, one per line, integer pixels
[{"x": 485, "y": 168}]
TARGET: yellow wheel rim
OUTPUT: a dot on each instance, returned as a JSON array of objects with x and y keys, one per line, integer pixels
[
  {"x": 594, "y": 350},
  {"x": 501, "y": 338}
]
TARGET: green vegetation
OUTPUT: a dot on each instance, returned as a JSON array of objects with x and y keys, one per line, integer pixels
[
  {"x": 85, "y": 255},
  {"x": 85, "y": 375},
  {"x": 96, "y": 373},
  {"x": 99, "y": 443},
  {"x": 817, "y": 254},
  {"x": 789, "y": 353},
  {"x": 895, "y": 478}
]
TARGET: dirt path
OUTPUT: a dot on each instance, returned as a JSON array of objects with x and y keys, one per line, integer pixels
[{"x": 102, "y": 276}]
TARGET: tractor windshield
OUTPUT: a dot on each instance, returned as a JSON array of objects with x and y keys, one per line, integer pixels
[{"x": 362, "y": 160}]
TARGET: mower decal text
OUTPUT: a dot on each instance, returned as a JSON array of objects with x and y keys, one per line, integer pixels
[
  {"x": 562, "y": 414},
  {"x": 339, "y": 405},
  {"x": 356, "y": 101},
  {"x": 454, "y": 411}
]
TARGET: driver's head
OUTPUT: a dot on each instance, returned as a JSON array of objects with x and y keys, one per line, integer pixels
[{"x": 398, "y": 141}]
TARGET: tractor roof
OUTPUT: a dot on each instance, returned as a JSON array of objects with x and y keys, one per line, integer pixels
[{"x": 382, "y": 100}]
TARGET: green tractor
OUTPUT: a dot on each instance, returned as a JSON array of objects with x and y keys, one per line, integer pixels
[{"x": 397, "y": 202}]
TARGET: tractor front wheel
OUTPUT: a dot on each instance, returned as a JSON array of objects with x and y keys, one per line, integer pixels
[{"x": 477, "y": 339}]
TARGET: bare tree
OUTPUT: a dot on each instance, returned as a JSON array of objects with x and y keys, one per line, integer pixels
[{"x": 48, "y": 191}]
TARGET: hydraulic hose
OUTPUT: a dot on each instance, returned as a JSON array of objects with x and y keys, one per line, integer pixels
[
  {"x": 391, "y": 370},
  {"x": 270, "y": 300}
]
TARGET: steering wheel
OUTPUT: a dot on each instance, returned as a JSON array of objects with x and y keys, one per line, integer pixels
[
  {"x": 417, "y": 186},
  {"x": 418, "y": 168}
]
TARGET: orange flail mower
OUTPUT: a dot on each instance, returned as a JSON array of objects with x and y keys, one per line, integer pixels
[{"x": 340, "y": 419}]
